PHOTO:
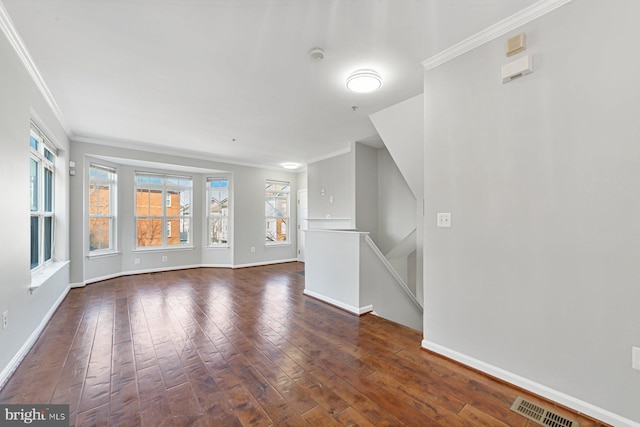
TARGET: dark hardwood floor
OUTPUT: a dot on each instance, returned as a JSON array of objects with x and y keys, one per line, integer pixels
[{"x": 222, "y": 347}]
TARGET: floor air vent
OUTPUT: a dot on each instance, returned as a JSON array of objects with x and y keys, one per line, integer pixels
[{"x": 541, "y": 415}]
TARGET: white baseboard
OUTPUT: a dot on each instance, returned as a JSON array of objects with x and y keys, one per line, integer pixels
[
  {"x": 180, "y": 267},
  {"x": 15, "y": 361},
  {"x": 358, "y": 311},
  {"x": 132, "y": 273},
  {"x": 258, "y": 264},
  {"x": 533, "y": 387},
  {"x": 216, "y": 265}
]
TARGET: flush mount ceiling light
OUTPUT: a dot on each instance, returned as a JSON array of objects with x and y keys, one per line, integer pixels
[
  {"x": 364, "y": 81},
  {"x": 290, "y": 165}
]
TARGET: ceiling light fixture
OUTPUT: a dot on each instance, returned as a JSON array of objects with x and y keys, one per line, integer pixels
[
  {"x": 364, "y": 81},
  {"x": 290, "y": 165}
]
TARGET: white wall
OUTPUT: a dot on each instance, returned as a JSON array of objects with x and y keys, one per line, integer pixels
[
  {"x": 20, "y": 101},
  {"x": 401, "y": 127},
  {"x": 331, "y": 179},
  {"x": 539, "y": 273},
  {"x": 365, "y": 176},
  {"x": 247, "y": 184},
  {"x": 396, "y": 204}
]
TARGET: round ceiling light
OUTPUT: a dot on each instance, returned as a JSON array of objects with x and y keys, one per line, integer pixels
[
  {"x": 364, "y": 81},
  {"x": 290, "y": 165}
]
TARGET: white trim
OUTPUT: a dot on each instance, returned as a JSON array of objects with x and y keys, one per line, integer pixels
[
  {"x": 350, "y": 308},
  {"x": 257, "y": 264},
  {"x": 15, "y": 361},
  {"x": 9, "y": 30},
  {"x": 168, "y": 150},
  {"x": 516, "y": 20},
  {"x": 105, "y": 254},
  {"x": 533, "y": 387},
  {"x": 216, "y": 266},
  {"x": 132, "y": 273},
  {"x": 180, "y": 267}
]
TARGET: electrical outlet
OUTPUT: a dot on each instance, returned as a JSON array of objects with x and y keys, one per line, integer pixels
[
  {"x": 444, "y": 220},
  {"x": 5, "y": 319},
  {"x": 635, "y": 358},
  {"x": 136, "y": 261},
  {"x": 164, "y": 258},
  {"x": 253, "y": 248}
]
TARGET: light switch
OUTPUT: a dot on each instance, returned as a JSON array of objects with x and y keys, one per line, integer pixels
[{"x": 444, "y": 219}]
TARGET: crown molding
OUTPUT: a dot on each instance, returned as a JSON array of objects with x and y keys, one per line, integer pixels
[
  {"x": 9, "y": 30},
  {"x": 516, "y": 20},
  {"x": 172, "y": 151}
]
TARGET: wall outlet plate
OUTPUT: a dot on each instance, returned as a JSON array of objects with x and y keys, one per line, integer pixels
[
  {"x": 5, "y": 319},
  {"x": 444, "y": 220}
]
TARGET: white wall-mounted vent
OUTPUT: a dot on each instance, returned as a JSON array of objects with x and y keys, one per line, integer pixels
[
  {"x": 541, "y": 415},
  {"x": 518, "y": 68}
]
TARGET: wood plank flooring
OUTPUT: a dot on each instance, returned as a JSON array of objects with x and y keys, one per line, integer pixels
[{"x": 222, "y": 347}]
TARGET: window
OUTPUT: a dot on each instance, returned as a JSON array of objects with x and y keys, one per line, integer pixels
[
  {"x": 42, "y": 173},
  {"x": 163, "y": 210},
  {"x": 218, "y": 211},
  {"x": 102, "y": 196},
  {"x": 277, "y": 211}
]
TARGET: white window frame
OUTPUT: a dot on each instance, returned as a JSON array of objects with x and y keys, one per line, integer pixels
[
  {"x": 223, "y": 215},
  {"x": 111, "y": 215},
  {"x": 43, "y": 163},
  {"x": 286, "y": 195},
  {"x": 165, "y": 187}
]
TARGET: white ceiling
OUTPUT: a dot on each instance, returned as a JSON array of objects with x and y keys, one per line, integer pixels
[{"x": 196, "y": 74}]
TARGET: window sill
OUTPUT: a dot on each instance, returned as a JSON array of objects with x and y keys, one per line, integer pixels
[
  {"x": 277, "y": 245},
  {"x": 165, "y": 248},
  {"x": 40, "y": 276},
  {"x": 217, "y": 247},
  {"x": 103, "y": 254}
]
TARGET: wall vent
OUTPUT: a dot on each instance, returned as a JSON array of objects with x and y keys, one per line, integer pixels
[{"x": 540, "y": 414}]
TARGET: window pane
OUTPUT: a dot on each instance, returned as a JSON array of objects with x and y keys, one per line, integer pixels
[
  {"x": 148, "y": 202},
  {"x": 219, "y": 230},
  {"x": 99, "y": 234},
  {"x": 149, "y": 231},
  {"x": 48, "y": 190},
  {"x": 180, "y": 231},
  {"x": 102, "y": 173},
  {"x": 99, "y": 199},
  {"x": 48, "y": 155},
  {"x": 218, "y": 201},
  {"x": 33, "y": 142},
  {"x": 48, "y": 233},
  {"x": 277, "y": 186},
  {"x": 179, "y": 181},
  {"x": 34, "y": 184},
  {"x": 180, "y": 202},
  {"x": 185, "y": 202},
  {"x": 276, "y": 207},
  {"x": 218, "y": 183},
  {"x": 276, "y": 230},
  {"x": 149, "y": 179},
  {"x": 35, "y": 239}
]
